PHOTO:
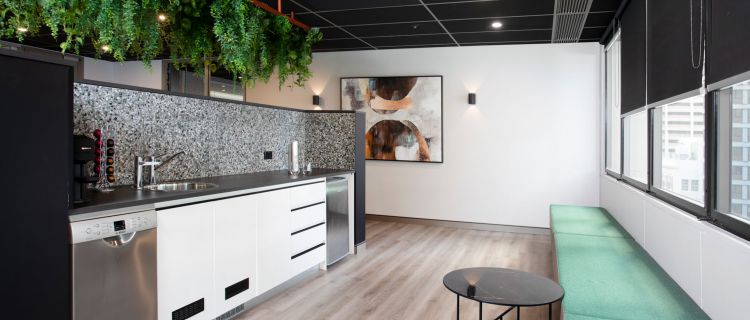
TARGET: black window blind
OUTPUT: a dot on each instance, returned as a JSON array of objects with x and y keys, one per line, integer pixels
[
  {"x": 633, "y": 52},
  {"x": 675, "y": 49},
  {"x": 728, "y": 45}
]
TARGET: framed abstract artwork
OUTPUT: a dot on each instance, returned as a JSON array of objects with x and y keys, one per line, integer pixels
[{"x": 404, "y": 116}]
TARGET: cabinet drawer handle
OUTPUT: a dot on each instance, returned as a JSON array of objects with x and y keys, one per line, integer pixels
[
  {"x": 308, "y": 228},
  {"x": 309, "y": 205},
  {"x": 308, "y": 250}
]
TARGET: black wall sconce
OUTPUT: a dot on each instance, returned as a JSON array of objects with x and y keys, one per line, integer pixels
[
  {"x": 472, "y": 98},
  {"x": 316, "y": 100}
]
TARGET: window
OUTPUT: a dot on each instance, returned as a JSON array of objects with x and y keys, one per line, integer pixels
[
  {"x": 733, "y": 146},
  {"x": 636, "y": 146},
  {"x": 679, "y": 148},
  {"x": 221, "y": 85},
  {"x": 612, "y": 144}
]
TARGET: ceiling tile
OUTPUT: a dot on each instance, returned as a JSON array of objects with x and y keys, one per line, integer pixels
[
  {"x": 492, "y": 9},
  {"x": 343, "y": 49},
  {"x": 420, "y": 46},
  {"x": 605, "y": 5},
  {"x": 599, "y": 19},
  {"x": 286, "y": 6},
  {"x": 312, "y": 20},
  {"x": 383, "y": 15},
  {"x": 410, "y": 40},
  {"x": 326, "y": 5},
  {"x": 334, "y": 33},
  {"x": 409, "y": 28},
  {"x": 503, "y": 36},
  {"x": 340, "y": 44},
  {"x": 516, "y": 23},
  {"x": 592, "y": 33},
  {"x": 503, "y": 43}
]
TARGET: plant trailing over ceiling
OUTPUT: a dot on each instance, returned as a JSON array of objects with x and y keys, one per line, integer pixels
[{"x": 247, "y": 41}]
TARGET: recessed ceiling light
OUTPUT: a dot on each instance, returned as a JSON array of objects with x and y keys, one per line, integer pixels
[
  {"x": 497, "y": 25},
  {"x": 105, "y": 48},
  {"x": 162, "y": 17},
  {"x": 22, "y": 29}
]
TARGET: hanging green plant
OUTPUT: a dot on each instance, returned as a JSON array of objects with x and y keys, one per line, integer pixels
[{"x": 249, "y": 42}]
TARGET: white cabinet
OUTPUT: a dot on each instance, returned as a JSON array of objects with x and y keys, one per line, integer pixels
[
  {"x": 185, "y": 262},
  {"x": 274, "y": 239},
  {"x": 214, "y": 256},
  {"x": 235, "y": 234}
]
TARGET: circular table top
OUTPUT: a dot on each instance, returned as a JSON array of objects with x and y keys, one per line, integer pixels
[{"x": 501, "y": 286}]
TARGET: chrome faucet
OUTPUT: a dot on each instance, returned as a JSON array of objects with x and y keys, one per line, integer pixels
[{"x": 153, "y": 165}]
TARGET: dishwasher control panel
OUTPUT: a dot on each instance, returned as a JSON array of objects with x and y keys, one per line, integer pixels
[{"x": 88, "y": 230}]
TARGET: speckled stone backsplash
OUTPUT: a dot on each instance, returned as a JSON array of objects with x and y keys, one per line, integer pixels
[{"x": 218, "y": 138}]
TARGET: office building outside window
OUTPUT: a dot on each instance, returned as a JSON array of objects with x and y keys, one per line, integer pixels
[
  {"x": 733, "y": 145},
  {"x": 678, "y": 144}
]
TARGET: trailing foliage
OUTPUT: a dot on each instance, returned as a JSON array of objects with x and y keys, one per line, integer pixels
[{"x": 247, "y": 41}]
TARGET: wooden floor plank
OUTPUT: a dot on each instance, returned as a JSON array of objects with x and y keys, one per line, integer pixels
[{"x": 399, "y": 276}]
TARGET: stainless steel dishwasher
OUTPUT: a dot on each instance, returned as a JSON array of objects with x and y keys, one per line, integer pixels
[
  {"x": 337, "y": 218},
  {"x": 114, "y": 267}
]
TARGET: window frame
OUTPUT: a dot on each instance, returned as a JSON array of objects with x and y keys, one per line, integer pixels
[
  {"x": 608, "y": 117},
  {"x": 722, "y": 220},
  {"x": 701, "y": 212},
  {"x": 640, "y": 185}
]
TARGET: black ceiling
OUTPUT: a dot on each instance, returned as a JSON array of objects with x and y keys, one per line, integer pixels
[{"x": 390, "y": 24}]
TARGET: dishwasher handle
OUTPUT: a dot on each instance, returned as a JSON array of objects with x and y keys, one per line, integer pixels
[{"x": 120, "y": 240}]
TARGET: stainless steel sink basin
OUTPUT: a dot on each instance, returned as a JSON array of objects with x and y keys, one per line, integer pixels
[{"x": 180, "y": 186}]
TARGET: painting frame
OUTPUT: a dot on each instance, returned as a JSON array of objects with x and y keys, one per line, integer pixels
[{"x": 442, "y": 111}]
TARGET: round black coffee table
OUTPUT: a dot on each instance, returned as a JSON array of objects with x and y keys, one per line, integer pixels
[{"x": 505, "y": 287}]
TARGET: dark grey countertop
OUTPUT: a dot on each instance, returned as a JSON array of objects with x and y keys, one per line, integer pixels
[{"x": 126, "y": 196}]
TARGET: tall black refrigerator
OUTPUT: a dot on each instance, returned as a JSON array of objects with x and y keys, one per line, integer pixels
[{"x": 36, "y": 98}]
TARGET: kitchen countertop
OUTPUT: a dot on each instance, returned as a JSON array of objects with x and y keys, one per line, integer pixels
[{"x": 126, "y": 196}]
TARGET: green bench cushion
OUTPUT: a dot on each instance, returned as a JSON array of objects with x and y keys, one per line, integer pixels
[
  {"x": 585, "y": 221},
  {"x": 574, "y": 316},
  {"x": 608, "y": 277}
]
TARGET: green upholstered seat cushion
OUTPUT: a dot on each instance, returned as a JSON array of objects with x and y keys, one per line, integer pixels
[
  {"x": 607, "y": 277},
  {"x": 574, "y": 316},
  {"x": 585, "y": 221}
]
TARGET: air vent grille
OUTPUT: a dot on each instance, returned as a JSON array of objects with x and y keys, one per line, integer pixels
[
  {"x": 236, "y": 288},
  {"x": 189, "y": 310},
  {"x": 570, "y": 17}
]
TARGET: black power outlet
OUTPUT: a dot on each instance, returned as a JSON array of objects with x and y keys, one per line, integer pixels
[{"x": 267, "y": 155}]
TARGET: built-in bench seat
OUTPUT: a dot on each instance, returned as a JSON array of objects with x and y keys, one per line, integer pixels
[{"x": 607, "y": 275}]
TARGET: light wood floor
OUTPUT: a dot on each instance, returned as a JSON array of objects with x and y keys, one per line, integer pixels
[{"x": 400, "y": 275}]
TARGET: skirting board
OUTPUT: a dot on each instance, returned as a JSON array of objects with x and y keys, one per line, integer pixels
[{"x": 459, "y": 224}]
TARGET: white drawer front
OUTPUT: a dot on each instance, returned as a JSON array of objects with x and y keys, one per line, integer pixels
[
  {"x": 309, "y": 216},
  {"x": 309, "y": 260},
  {"x": 308, "y": 239},
  {"x": 308, "y": 194}
]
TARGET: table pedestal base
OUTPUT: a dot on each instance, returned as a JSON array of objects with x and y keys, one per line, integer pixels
[{"x": 500, "y": 317}]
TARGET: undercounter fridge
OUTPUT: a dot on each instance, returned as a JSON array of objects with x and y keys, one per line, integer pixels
[{"x": 337, "y": 217}]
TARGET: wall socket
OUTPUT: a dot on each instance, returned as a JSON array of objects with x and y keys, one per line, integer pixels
[{"x": 267, "y": 155}]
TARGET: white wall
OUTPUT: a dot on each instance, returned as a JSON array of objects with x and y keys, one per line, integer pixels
[
  {"x": 710, "y": 264},
  {"x": 531, "y": 140},
  {"x": 132, "y": 73}
]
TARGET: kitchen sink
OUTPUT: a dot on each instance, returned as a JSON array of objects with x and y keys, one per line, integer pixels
[{"x": 180, "y": 186}]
